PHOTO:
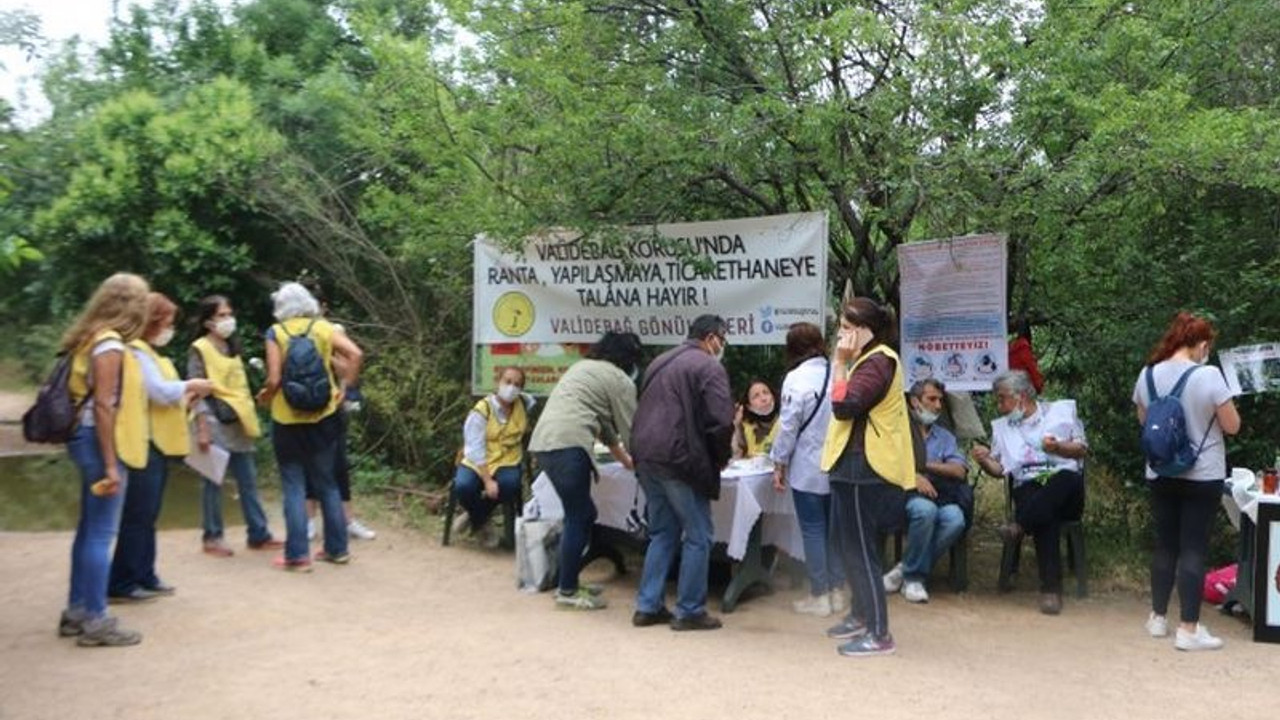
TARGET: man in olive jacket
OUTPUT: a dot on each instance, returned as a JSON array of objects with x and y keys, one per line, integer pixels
[{"x": 680, "y": 440}]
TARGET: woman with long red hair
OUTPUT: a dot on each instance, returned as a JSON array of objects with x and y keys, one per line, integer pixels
[{"x": 1182, "y": 506}]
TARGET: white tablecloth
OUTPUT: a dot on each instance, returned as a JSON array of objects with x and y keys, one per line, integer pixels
[
  {"x": 1243, "y": 496},
  {"x": 745, "y": 496}
]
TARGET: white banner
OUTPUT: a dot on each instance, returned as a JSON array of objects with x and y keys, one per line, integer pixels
[
  {"x": 760, "y": 274},
  {"x": 953, "y": 310},
  {"x": 1251, "y": 368}
]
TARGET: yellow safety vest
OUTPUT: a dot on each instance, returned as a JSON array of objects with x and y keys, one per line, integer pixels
[
  {"x": 888, "y": 439},
  {"x": 168, "y": 422},
  {"x": 502, "y": 446},
  {"x": 131, "y": 437},
  {"x": 763, "y": 445},
  {"x": 322, "y": 335},
  {"x": 230, "y": 384}
]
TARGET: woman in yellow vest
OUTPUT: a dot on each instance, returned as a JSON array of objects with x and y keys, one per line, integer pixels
[
  {"x": 229, "y": 421},
  {"x": 306, "y": 441},
  {"x": 492, "y": 450},
  {"x": 106, "y": 385},
  {"x": 756, "y": 425},
  {"x": 133, "y": 568},
  {"x": 870, "y": 463}
]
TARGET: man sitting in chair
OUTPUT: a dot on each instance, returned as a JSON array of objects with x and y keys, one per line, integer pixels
[
  {"x": 942, "y": 501},
  {"x": 1041, "y": 446}
]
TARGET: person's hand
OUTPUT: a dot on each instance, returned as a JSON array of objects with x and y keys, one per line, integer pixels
[
  {"x": 926, "y": 488},
  {"x": 627, "y": 461},
  {"x": 1051, "y": 444},
  {"x": 737, "y": 414},
  {"x": 980, "y": 453},
  {"x": 263, "y": 398},
  {"x": 199, "y": 387},
  {"x": 109, "y": 484},
  {"x": 780, "y": 478},
  {"x": 491, "y": 488}
]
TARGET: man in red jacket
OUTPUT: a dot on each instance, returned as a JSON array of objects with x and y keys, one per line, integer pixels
[{"x": 680, "y": 440}]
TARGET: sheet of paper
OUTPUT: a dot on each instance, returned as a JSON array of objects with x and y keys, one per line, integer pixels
[{"x": 211, "y": 464}]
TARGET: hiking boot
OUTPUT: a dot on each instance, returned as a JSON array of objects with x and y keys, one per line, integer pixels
[
  {"x": 106, "y": 632},
  {"x": 581, "y": 599},
  {"x": 867, "y": 646},
  {"x": 359, "y": 530},
  {"x": 893, "y": 579},
  {"x": 701, "y": 621},
  {"x": 816, "y": 605},
  {"x": 643, "y": 619},
  {"x": 846, "y": 629},
  {"x": 71, "y": 623},
  {"x": 1198, "y": 640},
  {"x": 342, "y": 559},
  {"x": 217, "y": 548},
  {"x": 1051, "y": 603},
  {"x": 914, "y": 592},
  {"x": 1157, "y": 626}
]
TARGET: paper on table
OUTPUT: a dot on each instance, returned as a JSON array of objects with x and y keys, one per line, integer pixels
[{"x": 211, "y": 464}]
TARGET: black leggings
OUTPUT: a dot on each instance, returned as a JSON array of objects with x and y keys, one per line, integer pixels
[{"x": 1183, "y": 510}]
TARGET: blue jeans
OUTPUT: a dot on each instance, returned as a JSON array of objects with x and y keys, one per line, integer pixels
[
  {"x": 468, "y": 488},
  {"x": 931, "y": 531},
  {"x": 570, "y": 471},
  {"x": 317, "y": 469},
  {"x": 243, "y": 468},
  {"x": 134, "y": 563},
  {"x": 99, "y": 521},
  {"x": 813, "y": 513},
  {"x": 678, "y": 517}
]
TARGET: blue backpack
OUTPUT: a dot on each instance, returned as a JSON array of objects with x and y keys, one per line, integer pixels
[
  {"x": 305, "y": 380},
  {"x": 1164, "y": 439}
]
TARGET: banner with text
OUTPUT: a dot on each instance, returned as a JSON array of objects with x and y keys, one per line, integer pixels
[
  {"x": 760, "y": 274},
  {"x": 953, "y": 310}
]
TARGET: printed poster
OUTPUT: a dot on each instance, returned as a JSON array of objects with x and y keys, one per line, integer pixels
[{"x": 1251, "y": 368}]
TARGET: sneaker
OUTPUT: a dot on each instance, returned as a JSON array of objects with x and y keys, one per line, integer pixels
[
  {"x": 701, "y": 621},
  {"x": 1157, "y": 626},
  {"x": 162, "y": 589},
  {"x": 893, "y": 579},
  {"x": 342, "y": 559},
  {"x": 71, "y": 623},
  {"x": 1051, "y": 603},
  {"x": 817, "y": 605},
  {"x": 839, "y": 601},
  {"x": 580, "y": 600},
  {"x": 644, "y": 619},
  {"x": 301, "y": 565},
  {"x": 136, "y": 595},
  {"x": 914, "y": 592},
  {"x": 593, "y": 588},
  {"x": 866, "y": 646},
  {"x": 268, "y": 544},
  {"x": 217, "y": 548},
  {"x": 106, "y": 632},
  {"x": 487, "y": 538},
  {"x": 461, "y": 522},
  {"x": 313, "y": 530},
  {"x": 357, "y": 529},
  {"x": 1198, "y": 640},
  {"x": 847, "y": 629}
]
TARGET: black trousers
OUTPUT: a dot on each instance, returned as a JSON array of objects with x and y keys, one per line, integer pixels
[
  {"x": 1041, "y": 510},
  {"x": 1183, "y": 511},
  {"x": 860, "y": 513}
]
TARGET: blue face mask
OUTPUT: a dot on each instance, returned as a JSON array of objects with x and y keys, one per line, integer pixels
[{"x": 1015, "y": 415}]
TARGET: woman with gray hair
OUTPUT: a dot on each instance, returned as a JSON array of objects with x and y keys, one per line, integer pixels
[
  {"x": 1041, "y": 445},
  {"x": 303, "y": 392}
]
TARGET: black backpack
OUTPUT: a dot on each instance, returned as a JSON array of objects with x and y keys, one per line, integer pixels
[
  {"x": 305, "y": 380},
  {"x": 53, "y": 417}
]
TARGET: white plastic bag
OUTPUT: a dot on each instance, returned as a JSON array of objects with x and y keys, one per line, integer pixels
[{"x": 537, "y": 554}]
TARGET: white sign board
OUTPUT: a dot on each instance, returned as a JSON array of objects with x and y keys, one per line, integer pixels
[
  {"x": 760, "y": 274},
  {"x": 1251, "y": 368},
  {"x": 953, "y": 310}
]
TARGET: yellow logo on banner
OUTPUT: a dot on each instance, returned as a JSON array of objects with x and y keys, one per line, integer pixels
[{"x": 513, "y": 314}]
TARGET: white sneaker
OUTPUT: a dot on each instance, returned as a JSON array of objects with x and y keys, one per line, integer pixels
[
  {"x": 839, "y": 601},
  {"x": 914, "y": 592},
  {"x": 819, "y": 605},
  {"x": 1157, "y": 626},
  {"x": 1198, "y": 640},
  {"x": 313, "y": 530},
  {"x": 357, "y": 529},
  {"x": 461, "y": 522},
  {"x": 893, "y": 579}
]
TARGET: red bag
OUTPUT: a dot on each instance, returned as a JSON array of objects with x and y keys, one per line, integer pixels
[{"x": 1219, "y": 583}]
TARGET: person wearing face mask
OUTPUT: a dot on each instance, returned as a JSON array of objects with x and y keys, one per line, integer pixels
[
  {"x": 230, "y": 421},
  {"x": 1183, "y": 506},
  {"x": 941, "y": 504},
  {"x": 133, "y": 567},
  {"x": 756, "y": 421},
  {"x": 489, "y": 471},
  {"x": 1041, "y": 445}
]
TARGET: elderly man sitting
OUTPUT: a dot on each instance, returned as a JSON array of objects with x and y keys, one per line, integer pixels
[{"x": 1041, "y": 445}]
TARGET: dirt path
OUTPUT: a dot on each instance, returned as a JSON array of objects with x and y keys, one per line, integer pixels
[{"x": 414, "y": 630}]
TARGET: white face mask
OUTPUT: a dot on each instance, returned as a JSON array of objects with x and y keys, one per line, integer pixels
[
  {"x": 764, "y": 409},
  {"x": 508, "y": 392},
  {"x": 163, "y": 338},
  {"x": 1015, "y": 415},
  {"x": 926, "y": 417},
  {"x": 225, "y": 327}
]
